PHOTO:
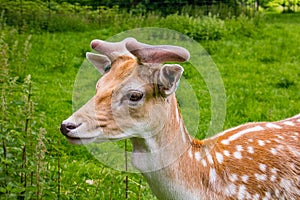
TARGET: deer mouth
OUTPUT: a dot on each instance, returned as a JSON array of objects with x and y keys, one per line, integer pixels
[
  {"x": 76, "y": 139},
  {"x": 75, "y": 133}
]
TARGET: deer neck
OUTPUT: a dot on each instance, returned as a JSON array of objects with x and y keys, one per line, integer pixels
[
  {"x": 165, "y": 158},
  {"x": 165, "y": 146}
]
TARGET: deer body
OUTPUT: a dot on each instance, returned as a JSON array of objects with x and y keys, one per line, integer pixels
[
  {"x": 252, "y": 161},
  {"x": 136, "y": 100}
]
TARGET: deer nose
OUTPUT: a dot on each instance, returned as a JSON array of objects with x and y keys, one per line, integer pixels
[{"x": 67, "y": 127}]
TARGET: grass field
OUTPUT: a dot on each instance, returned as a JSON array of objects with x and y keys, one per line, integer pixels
[{"x": 258, "y": 59}]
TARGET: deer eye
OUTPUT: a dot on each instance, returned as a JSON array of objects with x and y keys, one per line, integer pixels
[
  {"x": 107, "y": 68},
  {"x": 134, "y": 96}
]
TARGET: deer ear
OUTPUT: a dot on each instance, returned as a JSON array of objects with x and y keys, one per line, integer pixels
[
  {"x": 169, "y": 78},
  {"x": 101, "y": 62}
]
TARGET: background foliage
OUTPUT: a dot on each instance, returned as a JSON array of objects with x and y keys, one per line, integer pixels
[{"x": 43, "y": 44}]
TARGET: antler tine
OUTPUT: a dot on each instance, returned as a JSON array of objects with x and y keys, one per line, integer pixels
[
  {"x": 111, "y": 49},
  {"x": 156, "y": 53}
]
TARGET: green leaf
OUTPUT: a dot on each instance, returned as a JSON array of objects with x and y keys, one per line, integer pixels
[{"x": 2, "y": 190}]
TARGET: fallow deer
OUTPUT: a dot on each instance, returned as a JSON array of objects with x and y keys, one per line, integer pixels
[{"x": 135, "y": 99}]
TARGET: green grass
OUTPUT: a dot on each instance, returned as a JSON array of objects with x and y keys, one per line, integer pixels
[
  {"x": 262, "y": 74},
  {"x": 259, "y": 63}
]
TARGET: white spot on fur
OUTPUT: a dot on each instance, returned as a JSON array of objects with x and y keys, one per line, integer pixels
[
  {"x": 267, "y": 196},
  {"x": 226, "y": 153},
  {"x": 241, "y": 133},
  {"x": 250, "y": 140},
  {"x": 237, "y": 155},
  {"x": 239, "y": 148},
  {"x": 289, "y": 123},
  {"x": 274, "y": 170},
  {"x": 242, "y": 192},
  {"x": 294, "y": 137},
  {"x": 293, "y": 151},
  {"x": 292, "y": 166},
  {"x": 261, "y": 143},
  {"x": 245, "y": 178},
  {"x": 273, "y": 151},
  {"x": 280, "y": 137},
  {"x": 233, "y": 177},
  {"x": 219, "y": 157},
  {"x": 273, "y": 178},
  {"x": 209, "y": 158},
  {"x": 230, "y": 189},
  {"x": 276, "y": 140},
  {"x": 285, "y": 183},
  {"x": 197, "y": 156},
  {"x": 289, "y": 186},
  {"x": 271, "y": 125},
  {"x": 204, "y": 163},
  {"x": 280, "y": 147},
  {"x": 226, "y": 142},
  {"x": 250, "y": 149},
  {"x": 262, "y": 167},
  {"x": 260, "y": 177},
  {"x": 248, "y": 195},
  {"x": 256, "y": 197},
  {"x": 212, "y": 176},
  {"x": 277, "y": 192}
]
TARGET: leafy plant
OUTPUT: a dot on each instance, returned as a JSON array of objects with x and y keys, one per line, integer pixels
[
  {"x": 21, "y": 136},
  {"x": 200, "y": 28}
]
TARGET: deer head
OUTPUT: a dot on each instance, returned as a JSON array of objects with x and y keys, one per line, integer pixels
[{"x": 132, "y": 95}]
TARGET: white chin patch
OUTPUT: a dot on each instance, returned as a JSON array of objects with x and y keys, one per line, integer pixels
[{"x": 81, "y": 141}]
